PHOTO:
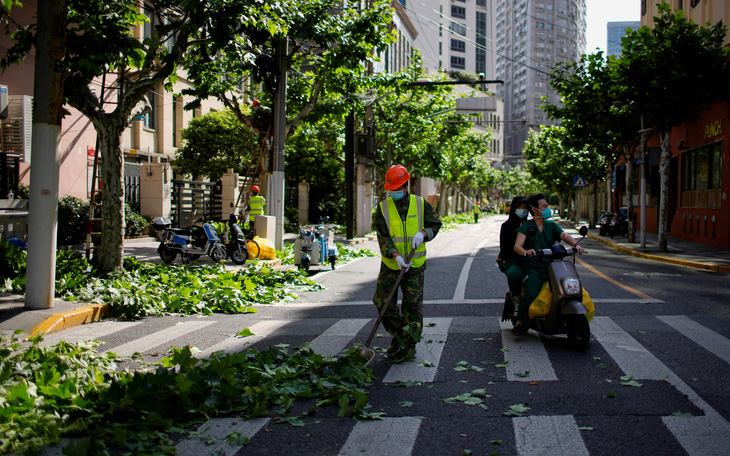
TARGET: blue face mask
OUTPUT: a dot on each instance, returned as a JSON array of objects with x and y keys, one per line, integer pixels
[
  {"x": 521, "y": 213},
  {"x": 397, "y": 194},
  {"x": 547, "y": 213}
]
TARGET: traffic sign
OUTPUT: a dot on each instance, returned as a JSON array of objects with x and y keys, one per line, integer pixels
[{"x": 579, "y": 182}]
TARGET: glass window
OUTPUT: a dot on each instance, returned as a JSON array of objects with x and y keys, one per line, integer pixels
[
  {"x": 458, "y": 12},
  {"x": 716, "y": 166},
  {"x": 458, "y": 45},
  {"x": 458, "y": 63},
  {"x": 702, "y": 167},
  {"x": 457, "y": 28},
  {"x": 481, "y": 2}
]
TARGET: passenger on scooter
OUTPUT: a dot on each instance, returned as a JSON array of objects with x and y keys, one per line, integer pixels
[
  {"x": 511, "y": 262},
  {"x": 543, "y": 235}
]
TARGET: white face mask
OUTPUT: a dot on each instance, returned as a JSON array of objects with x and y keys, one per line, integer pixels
[{"x": 521, "y": 213}]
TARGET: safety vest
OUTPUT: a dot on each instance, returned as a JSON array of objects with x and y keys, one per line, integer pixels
[
  {"x": 402, "y": 232},
  {"x": 256, "y": 206}
]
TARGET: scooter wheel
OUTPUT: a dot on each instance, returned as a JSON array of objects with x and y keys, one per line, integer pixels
[
  {"x": 218, "y": 254},
  {"x": 168, "y": 255},
  {"x": 579, "y": 333},
  {"x": 239, "y": 256}
]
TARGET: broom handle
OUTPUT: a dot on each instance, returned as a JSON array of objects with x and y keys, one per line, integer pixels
[{"x": 387, "y": 302}]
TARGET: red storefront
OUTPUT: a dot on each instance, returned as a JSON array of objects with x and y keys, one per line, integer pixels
[{"x": 699, "y": 178}]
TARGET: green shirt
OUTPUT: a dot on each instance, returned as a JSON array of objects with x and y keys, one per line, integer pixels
[
  {"x": 431, "y": 225},
  {"x": 540, "y": 240}
]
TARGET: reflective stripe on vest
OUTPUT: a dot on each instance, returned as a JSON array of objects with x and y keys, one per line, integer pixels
[
  {"x": 396, "y": 227},
  {"x": 256, "y": 205}
]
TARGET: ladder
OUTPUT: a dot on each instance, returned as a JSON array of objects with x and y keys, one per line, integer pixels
[{"x": 253, "y": 170}]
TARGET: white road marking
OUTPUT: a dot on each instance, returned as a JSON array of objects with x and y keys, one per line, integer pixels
[
  {"x": 338, "y": 336},
  {"x": 386, "y": 437},
  {"x": 148, "y": 343},
  {"x": 450, "y": 302},
  {"x": 88, "y": 332},
  {"x": 464, "y": 276},
  {"x": 548, "y": 436},
  {"x": 428, "y": 354},
  {"x": 702, "y": 336},
  {"x": 220, "y": 436},
  {"x": 527, "y": 358},
  {"x": 236, "y": 344},
  {"x": 699, "y": 435}
]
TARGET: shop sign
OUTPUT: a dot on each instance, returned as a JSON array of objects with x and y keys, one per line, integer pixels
[{"x": 713, "y": 129}]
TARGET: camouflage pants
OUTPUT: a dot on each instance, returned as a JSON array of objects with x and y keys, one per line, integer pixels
[{"x": 405, "y": 325}]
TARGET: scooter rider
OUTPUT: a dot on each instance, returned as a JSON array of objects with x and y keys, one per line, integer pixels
[
  {"x": 546, "y": 233},
  {"x": 403, "y": 223},
  {"x": 511, "y": 262}
]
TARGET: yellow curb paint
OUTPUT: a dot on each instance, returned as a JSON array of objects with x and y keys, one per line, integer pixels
[
  {"x": 76, "y": 317},
  {"x": 647, "y": 256},
  {"x": 613, "y": 281}
]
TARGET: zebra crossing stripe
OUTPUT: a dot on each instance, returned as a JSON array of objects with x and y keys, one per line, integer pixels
[
  {"x": 338, "y": 336},
  {"x": 428, "y": 354},
  {"x": 702, "y": 336},
  {"x": 527, "y": 360},
  {"x": 386, "y": 437},
  {"x": 148, "y": 343},
  {"x": 88, "y": 332},
  {"x": 221, "y": 436},
  {"x": 548, "y": 436},
  {"x": 235, "y": 344},
  {"x": 699, "y": 435}
]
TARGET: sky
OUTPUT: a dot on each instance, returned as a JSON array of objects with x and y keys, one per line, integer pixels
[{"x": 600, "y": 12}]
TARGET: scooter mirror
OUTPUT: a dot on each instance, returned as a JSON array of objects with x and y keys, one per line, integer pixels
[{"x": 583, "y": 230}]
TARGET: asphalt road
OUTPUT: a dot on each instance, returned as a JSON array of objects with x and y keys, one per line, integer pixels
[{"x": 667, "y": 326}]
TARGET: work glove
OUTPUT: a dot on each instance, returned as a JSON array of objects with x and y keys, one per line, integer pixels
[
  {"x": 417, "y": 240},
  {"x": 402, "y": 265}
]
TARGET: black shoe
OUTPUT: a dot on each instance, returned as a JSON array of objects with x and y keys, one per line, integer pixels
[
  {"x": 394, "y": 346},
  {"x": 402, "y": 354},
  {"x": 519, "y": 329}
]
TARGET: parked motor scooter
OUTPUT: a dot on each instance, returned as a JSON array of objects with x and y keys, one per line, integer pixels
[
  {"x": 235, "y": 241},
  {"x": 567, "y": 314},
  {"x": 315, "y": 245},
  {"x": 604, "y": 222},
  {"x": 189, "y": 243}
]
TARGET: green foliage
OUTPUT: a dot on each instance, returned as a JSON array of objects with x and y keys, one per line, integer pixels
[
  {"x": 12, "y": 267},
  {"x": 554, "y": 164},
  {"x": 69, "y": 390},
  {"x": 135, "y": 224},
  {"x": 73, "y": 218},
  {"x": 215, "y": 142}
]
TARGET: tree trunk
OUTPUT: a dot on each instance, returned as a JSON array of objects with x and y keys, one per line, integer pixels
[
  {"x": 593, "y": 214},
  {"x": 110, "y": 253},
  {"x": 629, "y": 195},
  {"x": 609, "y": 178},
  {"x": 664, "y": 190}
]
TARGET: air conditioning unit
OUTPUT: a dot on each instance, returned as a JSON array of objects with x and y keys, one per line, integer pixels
[
  {"x": 3, "y": 101},
  {"x": 18, "y": 126}
]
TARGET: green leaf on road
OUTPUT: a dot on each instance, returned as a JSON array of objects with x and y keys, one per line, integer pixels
[
  {"x": 516, "y": 410},
  {"x": 405, "y": 403}
]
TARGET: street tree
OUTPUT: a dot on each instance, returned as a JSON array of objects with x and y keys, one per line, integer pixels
[
  {"x": 673, "y": 72},
  {"x": 101, "y": 44},
  {"x": 552, "y": 163},
  {"x": 214, "y": 143}
]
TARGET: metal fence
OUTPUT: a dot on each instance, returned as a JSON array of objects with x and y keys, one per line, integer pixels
[
  {"x": 192, "y": 200},
  {"x": 131, "y": 191}
]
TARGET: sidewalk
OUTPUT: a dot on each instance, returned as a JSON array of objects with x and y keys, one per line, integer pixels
[
  {"x": 64, "y": 314},
  {"x": 680, "y": 252}
]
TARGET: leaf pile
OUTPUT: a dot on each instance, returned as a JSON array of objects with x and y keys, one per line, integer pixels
[
  {"x": 154, "y": 289},
  {"x": 69, "y": 390}
]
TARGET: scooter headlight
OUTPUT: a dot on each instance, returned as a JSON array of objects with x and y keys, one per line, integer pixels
[{"x": 571, "y": 286}]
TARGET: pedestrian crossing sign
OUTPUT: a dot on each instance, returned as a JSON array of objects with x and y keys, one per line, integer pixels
[{"x": 579, "y": 182}]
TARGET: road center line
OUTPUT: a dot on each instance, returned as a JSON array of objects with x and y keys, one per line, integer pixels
[
  {"x": 460, "y": 290},
  {"x": 615, "y": 282}
]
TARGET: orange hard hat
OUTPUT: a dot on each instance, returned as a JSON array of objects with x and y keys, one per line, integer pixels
[
  {"x": 396, "y": 176},
  {"x": 255, "y": 188}
]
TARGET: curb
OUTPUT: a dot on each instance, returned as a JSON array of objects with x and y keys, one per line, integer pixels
[
  {"x": 76, "y": 317},
  {"x": 649, "y": 256}
]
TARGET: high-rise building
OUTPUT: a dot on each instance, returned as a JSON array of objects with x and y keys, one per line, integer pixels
[
  {"x": 616, "y": 31},
  {"x": 532, "y": 37},
  {"x": 455, "y": 35}
]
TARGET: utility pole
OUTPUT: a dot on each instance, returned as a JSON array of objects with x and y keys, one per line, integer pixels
[
  {"x": 277, "y": 181},
  {"x": 350, "y": 173},
  {"x": 642, "y": 185},
  {"x": 50, "y": 44}
]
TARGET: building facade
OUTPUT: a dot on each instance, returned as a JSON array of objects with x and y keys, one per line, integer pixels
[
  {"x": 616, "y": 31},
  {"x": 699, "y": 183},
  {"x": 532, "y": 37}
]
